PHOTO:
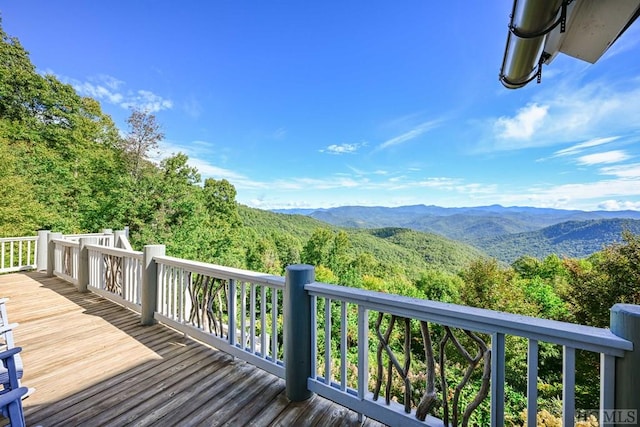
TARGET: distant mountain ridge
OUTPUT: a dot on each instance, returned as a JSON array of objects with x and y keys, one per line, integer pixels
[
  {"x": 465, "y": 223},
  {"x": 573, "y": 239},
  {"x": 502, "y": 232}
]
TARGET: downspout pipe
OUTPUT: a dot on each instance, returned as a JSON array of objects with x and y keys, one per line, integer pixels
[{"x": 531, "y": 21}]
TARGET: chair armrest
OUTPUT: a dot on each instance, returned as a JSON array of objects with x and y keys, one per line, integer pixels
[
  {"x": 10, "y": 353},
  {"x": 9, "y": 362},
  {"x": 8, "y": 328},
  {"x": 12, "y": 396}
]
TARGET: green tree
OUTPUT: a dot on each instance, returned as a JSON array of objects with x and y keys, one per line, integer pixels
[
  {"x": 440, "y": 286},
  {"x": 317, "y": 249},
  {"x": 63, "y": 146},
  {"x": 220, "y": 200},
  {"x": 143, "y": 135},
  {"x": 606, "y": 278}
]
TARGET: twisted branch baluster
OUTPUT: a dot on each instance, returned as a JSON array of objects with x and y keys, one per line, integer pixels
[
  {"x": 403, "y": 371},
  {"x": 112, "y": 274},
  {"x": 430, "y": 398},
  {"x": 67, "y": 261},
  {"x": 206, "y": 296},
  {"x": 483, "y": 353}
]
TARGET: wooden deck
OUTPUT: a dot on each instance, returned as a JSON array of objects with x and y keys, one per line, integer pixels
[{"x": 93, "y": 364}]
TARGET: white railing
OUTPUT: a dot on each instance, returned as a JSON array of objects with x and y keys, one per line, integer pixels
[
  {"x": 116, "y": 274},
  {"x": 360, "y": 304},
  {"x": 103, "y": 239},
  {"x": 65, "y": 264},
  {"x": 241, "y": 312},
  {"x": 235, "y": 310},
  {"x": 18, "y": 253}
]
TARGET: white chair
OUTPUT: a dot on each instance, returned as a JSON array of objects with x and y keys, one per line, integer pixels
[{"x": 7, "y": 343}]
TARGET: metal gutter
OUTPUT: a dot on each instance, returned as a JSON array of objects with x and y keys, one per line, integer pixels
[{"x": 531, "y": 21}]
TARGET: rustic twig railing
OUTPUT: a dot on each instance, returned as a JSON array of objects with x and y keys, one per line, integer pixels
[
  {"x": 66, "y": 260},
  {"x": 116, "y": 274},
  {"x": 235, "y": 310},
  {"x": 330, "y": 334},
  {"x": 368, "y": 309}
]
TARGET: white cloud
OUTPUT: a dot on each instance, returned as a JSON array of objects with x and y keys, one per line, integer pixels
[
  {"x": 147, "y": 101},
  {"x": 631, "y": 170},
  {"x": 594, "y": 190},
  {"x": 476, "y": 188},
  {"x": 208, "y": 170},
  {"x": 577, "y": 148},
  {"x": 98, "y": 92},
  {"x": 412, "y": 134},
  {"x": 574, "y": 112},
  {"x": 109, "y": 81},
  {"x": 524, "y": 124},
  {"x": 196, "y": 150},
  {"x": 110, "y": 89},
  {"x": 614, "y": 156},
  {"x": 437, "y": 182},
  {"x": 619, "y": 205},
  {"x": 342, "y": 148}
]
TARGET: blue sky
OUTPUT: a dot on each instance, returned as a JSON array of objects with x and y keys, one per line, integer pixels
[{"x": 321, "y": 104}]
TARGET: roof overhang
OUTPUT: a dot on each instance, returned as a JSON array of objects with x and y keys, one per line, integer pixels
[{"x": 541, "y": 29}]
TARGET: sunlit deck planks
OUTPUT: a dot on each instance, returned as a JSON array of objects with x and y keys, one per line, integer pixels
[{"x": 93, "y": 364}]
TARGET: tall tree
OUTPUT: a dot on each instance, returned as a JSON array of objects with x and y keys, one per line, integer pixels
[
  {"x": 62, "y": 150},
  {"x": 144, "y": 135}
]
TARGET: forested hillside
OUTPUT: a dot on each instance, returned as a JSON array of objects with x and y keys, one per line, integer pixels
[
  {"x": 400, "y": 249},
  {"x": 571, "y": 239},
  {"x": 67, "y": 167},
  {"x": 506, "y": 233}
]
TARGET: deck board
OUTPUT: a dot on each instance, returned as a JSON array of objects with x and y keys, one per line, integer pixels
[{"x": 92, "y": 363}]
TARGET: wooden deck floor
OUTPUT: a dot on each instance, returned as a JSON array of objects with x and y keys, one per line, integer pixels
[{"x": 93, "y": 364}]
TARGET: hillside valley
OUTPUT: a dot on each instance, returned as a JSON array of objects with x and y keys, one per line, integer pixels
[
  {"x": 505, "y": 233},
  {"x": 408, "y": 250}
]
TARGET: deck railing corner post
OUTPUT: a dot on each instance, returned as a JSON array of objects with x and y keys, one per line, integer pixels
[
  {"x": 625, "y": 323},
  {"x": 83, "y": 262},
  {"x": 118, "y": 237},
  {"x": 51, "y": 252},
  {"x": 41, "y": 251},
  {"x": 149, "y": 291},
  {"x": 297, "y": 331}
]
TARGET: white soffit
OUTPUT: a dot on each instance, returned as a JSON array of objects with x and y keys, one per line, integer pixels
[{"x": 592, "y": 26}]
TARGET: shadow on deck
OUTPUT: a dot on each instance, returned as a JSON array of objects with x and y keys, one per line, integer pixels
[{"x": 92, "y": 363}]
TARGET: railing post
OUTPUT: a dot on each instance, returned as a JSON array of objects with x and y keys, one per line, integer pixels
[
  {"x": 625, "y": 323},
  {"x": 51, "y": 252},
  {"x": 83, "y": 262},
  {"x": 42, "y": 251},
  {"x": 297, "y": 331},
  {"x": 117, "y": 238},
  {"x": 149, "y": 291}
]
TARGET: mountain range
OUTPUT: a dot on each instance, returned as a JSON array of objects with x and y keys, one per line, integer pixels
[{"x": 505, "y": 233}]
